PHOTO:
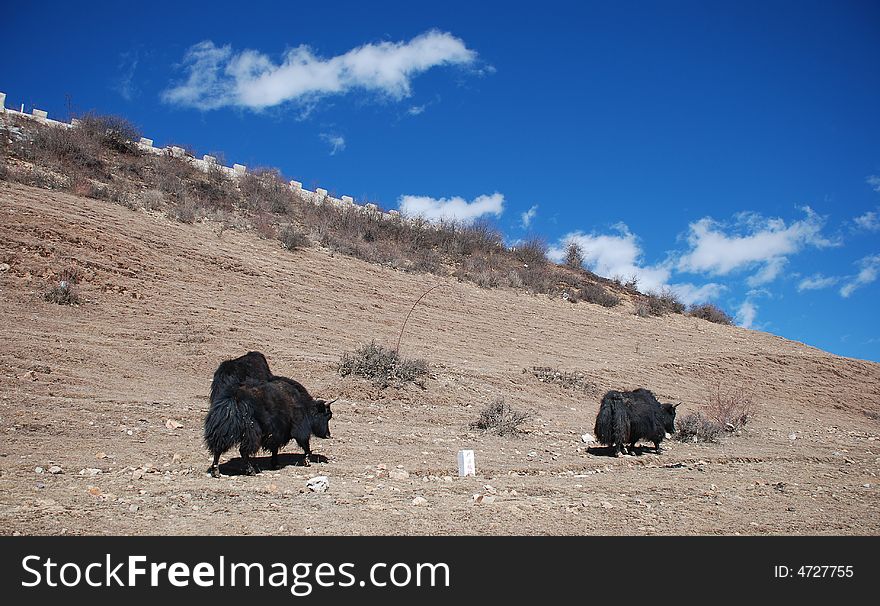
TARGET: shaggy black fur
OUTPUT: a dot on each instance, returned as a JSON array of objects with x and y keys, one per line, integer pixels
[
  {"x": 625, "y": 417},
  {"x": 251, "y": 366},
  {"x": 254, "y": 409}
]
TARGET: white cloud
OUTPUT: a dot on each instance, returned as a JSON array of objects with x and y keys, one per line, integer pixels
[
  {"x": 219, "y": 77},
  {"x": 451, "y": 209},
  {"x": 527, "y": 216},
  {"x": 689, "y": 293},
  {"x": 415, "y": 110},
  {"x": 868, "y": 273},
  {"x": 746, "y": 314},
  {"x": 817, "y": 282},
  {"x": 764, "y": 243},
  {"x": 336, "y": 142},
  {"x": 870, "y": 221},
  {"x": 614, "y": 255},
  {"x": 874, "y": 182},
  {"x": 128, "y": 63}
]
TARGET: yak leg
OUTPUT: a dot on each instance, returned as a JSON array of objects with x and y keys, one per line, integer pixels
[
  {"x": 215, "y": 466},
  {"x": 275, "y": 458},
  {"x": 656, "y": 446},
  {"x": 249, "y": 467},
  {"x": 304, "y": 444}
]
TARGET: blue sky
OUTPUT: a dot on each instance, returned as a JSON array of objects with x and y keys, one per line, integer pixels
[{"x": 730, "y": 150}]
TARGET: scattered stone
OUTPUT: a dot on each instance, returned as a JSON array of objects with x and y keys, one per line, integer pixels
[
  {"x": 318, "y": 484},
  {"x": 133, "y": 508},
  {"x": 484, "y": 499},
  {"x": 606, "y": 505},
  {"x": 101, "y": 455},
  {"x": 38, "y": 470},
  {"x": 137, "y": 474},
  {"x": 4, "y": 267},
  {"x": 587, "y": 438},
  {"x": 398, "y": 474},
  {"x": 419, "y": 501},
  {"x": 55, "y": 470},
  {"x": 176, "y": 458},
  {"x": 792, "y": 436},
  {"x": 95, "y": 491},
  {"x": 172, "y": 424}
]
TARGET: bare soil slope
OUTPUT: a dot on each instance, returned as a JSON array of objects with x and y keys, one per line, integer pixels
[{"x": 91, "y": 389}]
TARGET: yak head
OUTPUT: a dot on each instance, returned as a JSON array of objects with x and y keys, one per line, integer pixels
[
  {"x": 668, "y": 416},
  {"x": 321, "y": 415}
]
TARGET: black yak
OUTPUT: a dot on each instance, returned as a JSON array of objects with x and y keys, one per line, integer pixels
[
  {"x": 251, "y": 366},
  {"x": 254, "y": 409},
  {"x": 625, "y": 417}
]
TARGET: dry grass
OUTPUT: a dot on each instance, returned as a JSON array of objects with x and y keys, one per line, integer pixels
[
  {"x": 382, "y": 365},
  {"x": 500, "y": 418}
]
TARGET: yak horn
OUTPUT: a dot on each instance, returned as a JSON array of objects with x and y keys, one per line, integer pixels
[{"x": 331, "y": 401}]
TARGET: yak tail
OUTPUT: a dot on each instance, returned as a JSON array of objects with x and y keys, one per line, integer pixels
[
  {"x": 612, "y": 422},
  {"x": 230, "y": 421}
]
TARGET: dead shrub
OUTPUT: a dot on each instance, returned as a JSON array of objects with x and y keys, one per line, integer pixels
[
  {"x": 184, "y": 210},
  {"x": 292, "y": 239},
  {"x": 265, "y": 190},
  {"x": 500, "y": 418},
  {"x": 113, "y": 133},
  {"x": 63, "y": 293},
  {"x": 532, "y": 252},
  {"x": 593, "y": 293},
  {"x": 696, "y": 427},
  {"x": 731, "y": 407},
  {"x": 382, "y": 365},
  {"x": 574, "y": 256},
  {"x": 152, "y": 199},
  {"x": 711, "y": 313},
  {"x": 659, "y": 303}
]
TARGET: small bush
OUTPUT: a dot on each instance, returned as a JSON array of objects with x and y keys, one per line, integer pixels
[
  {"x": 382, "y": 365},
  {"x": 574, "y": 256},
  {"x": 184, "y": 211},
  {"x": 110, "y": 132},
  {"x": 152, "y": 199},
  {"x": 659, "y": 303},
  {"x": 731, "y": 407},
  {"x": 532, "y": 252},
  {"x": 710, "y": 312},
  {"x": 499, "y": 417},
  {"x": 696, "y": 427},
  {"x": 291, "y": 238},
  {"x": 63, "y": 293},
  {"x": 593, "y": 293}
]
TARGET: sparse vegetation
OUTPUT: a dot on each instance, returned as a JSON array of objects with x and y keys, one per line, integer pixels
[
  {"x": 382, "y": 365},
  {"x": 574, "y": 256},
  {"x": 731, "y": 407},
  {"x": 696, "y": 427},
  {"x": 500, "y": 418},
  {"x": 710, "y": 312},
  {"x": 659, "y": 303},
  {"x": 99, "y": 158},
  {"x": 291, "y": 238},
  {"x": 594, "y": 293},
  {"x": 63, "y": 293},
  {"x": 568, "y": 379}
]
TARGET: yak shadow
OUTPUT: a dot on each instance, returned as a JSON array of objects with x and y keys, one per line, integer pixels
[
  {"x": 235, "y": 467},
  {"x": 608, "y": 451}
]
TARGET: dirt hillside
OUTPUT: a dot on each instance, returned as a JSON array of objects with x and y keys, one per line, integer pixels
[{"x": 91, "y": 389}]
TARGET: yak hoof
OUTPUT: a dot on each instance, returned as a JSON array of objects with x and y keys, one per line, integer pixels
[
  {"x": 214, "y": 471},
  {"x": 251, "y": 470}
]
